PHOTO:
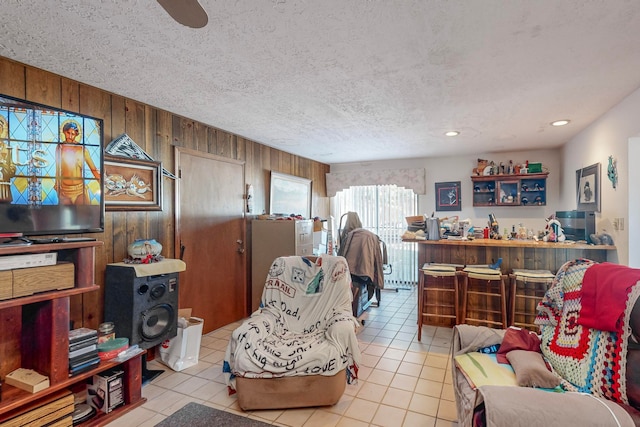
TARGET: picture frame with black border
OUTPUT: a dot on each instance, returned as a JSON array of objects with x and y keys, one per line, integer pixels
[
  {"x": 588, "y": 188},
  {"x": 448, "y": 196}
]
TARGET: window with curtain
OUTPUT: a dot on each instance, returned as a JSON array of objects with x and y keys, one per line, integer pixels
[{"x": 382, "y": 210}]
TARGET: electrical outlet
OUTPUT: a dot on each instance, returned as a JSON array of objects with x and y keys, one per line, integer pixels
[
  {"x": 621, "y": 224},
  {"x": 616, "y": 224}
]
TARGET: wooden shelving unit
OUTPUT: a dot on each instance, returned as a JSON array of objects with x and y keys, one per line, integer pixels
[
  {"x": 510, "y": 190},
  {"x": 34, "y": 334}
]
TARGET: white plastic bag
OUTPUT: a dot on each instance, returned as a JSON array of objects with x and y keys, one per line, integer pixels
[{"x": 182, "y": 351}]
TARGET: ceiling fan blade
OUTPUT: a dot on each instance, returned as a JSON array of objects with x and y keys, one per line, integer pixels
[{"x": 186, "y": 12}]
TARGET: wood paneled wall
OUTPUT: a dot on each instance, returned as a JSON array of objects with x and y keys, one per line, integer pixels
[{"x": 157, "y": 132}]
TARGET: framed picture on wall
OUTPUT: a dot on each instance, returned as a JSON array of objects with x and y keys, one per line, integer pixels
[
  {"x": 132, "y": 184},
  {"x": 448, "y": 196},
  {"x": 290, "y": 195},
  {"x": 588, "y": 188}
]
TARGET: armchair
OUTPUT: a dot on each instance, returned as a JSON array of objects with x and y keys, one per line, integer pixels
[{"x": 300, "y": 347}]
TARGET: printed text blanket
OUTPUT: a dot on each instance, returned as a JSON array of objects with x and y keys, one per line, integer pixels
[{"x": 305, "y": 324}]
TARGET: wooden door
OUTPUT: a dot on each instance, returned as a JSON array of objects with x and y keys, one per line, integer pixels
[{"x": 210, "y": 234}]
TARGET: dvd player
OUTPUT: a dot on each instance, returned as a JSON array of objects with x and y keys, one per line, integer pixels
[{"x": 43, "y": 240}]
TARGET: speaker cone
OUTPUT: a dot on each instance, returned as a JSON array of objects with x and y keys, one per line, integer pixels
[
  {"x": 157, "y": 291},
  {"x": 156, "y": 320}
]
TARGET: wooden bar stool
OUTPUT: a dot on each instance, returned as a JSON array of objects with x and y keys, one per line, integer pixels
[
  {"x": 438, "y": 294},
  {"x": 488, "y": 290},
  {"x": 527, "y": 287}
]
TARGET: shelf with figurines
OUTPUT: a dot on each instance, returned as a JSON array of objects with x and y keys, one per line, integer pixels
[{"x": 509, "y": 184}]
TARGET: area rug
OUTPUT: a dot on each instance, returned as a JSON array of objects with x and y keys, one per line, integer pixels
[{"x": 197, "y": 415}]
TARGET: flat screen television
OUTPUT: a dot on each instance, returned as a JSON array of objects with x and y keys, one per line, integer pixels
[{"x": 51, "y": 170}]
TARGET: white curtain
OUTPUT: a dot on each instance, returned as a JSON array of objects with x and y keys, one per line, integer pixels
[
  {"x": 413, "y": 179},
  {"x": 382, "y": 210}
]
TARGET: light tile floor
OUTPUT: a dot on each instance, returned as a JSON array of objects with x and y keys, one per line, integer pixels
[{"x": 402, "y": 382}]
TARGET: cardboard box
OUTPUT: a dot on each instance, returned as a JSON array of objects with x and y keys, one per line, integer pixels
[
  {"x": 105, "y": 392},
  {"x": 319, "y": 238},
  {"x": 321, "y": 249},
  {"x": 6, "y": 285},
  {"x": 416, "y": 218},
  {"x": 27, "y": 379},
  {"x": 54, "y": 409},
  {"x": 28, "y": 281}
]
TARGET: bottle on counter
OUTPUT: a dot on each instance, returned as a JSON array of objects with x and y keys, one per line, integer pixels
[{"x": 522, "y": 232}]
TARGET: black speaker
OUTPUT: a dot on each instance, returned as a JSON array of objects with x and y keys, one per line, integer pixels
[{"x": 143, "y": 309}]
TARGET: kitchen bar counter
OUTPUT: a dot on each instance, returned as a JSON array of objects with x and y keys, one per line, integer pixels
[
  {"x": 529, "y": 254},
  {"x": 521, "y": 254}
]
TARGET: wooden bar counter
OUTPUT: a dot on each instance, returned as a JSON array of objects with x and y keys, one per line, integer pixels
[
  {"x": 520, "y": 254},
  {"x": 529, "y": 254}
]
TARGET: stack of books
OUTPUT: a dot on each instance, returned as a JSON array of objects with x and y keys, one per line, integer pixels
[{"x": 83, "y": 350}]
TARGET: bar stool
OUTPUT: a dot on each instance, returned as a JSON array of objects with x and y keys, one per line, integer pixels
[
  {"x": 438, "y": 293},
  {"x": 486, "y": 285},
  {"x": 527, "y": 288}
]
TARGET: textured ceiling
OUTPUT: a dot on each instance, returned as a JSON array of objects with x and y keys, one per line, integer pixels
[{"x": 350, "y": 80}]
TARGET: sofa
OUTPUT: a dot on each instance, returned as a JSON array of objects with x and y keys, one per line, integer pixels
[{"x": 583, "y": 368}]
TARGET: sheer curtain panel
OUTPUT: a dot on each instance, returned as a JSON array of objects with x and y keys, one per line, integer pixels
[{"x": 382, "y": 210}]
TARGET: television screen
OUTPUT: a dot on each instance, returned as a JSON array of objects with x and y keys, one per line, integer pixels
[{"x": 51, "y": 170}]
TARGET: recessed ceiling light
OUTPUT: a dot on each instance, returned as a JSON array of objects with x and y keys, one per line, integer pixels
[
  {"x": 452, "y": 133},
  {"x": 560, "y": 123}
]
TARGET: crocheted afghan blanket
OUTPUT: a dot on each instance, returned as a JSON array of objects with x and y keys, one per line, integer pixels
[{"x": 589, "y": 360}]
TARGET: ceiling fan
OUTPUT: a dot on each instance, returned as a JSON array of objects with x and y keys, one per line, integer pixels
[{"x": 186, "y": 12}]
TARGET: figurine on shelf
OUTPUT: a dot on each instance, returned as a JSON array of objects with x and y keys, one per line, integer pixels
[
  {"x": 553, "y": 230},
  {"x": 503, "y": 196},
  {"x": 480, "y": 167},
  {"x": 494, "y": 168}
]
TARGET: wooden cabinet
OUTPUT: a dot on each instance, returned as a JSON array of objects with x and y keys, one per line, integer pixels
[
  {"x": 34, "y": 334},
  {"x": 271, "y": 239},
  {"x": 510, "y": 190}
]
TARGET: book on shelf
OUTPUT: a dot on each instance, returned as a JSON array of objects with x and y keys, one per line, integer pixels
[
  {"x": 82, "y": 344},
  {"x": 84, "y": 350},
  {"x": 83, "y": 358},
  {"x": 81, "y": 334},
  {"x": 90, "y": 364}
]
